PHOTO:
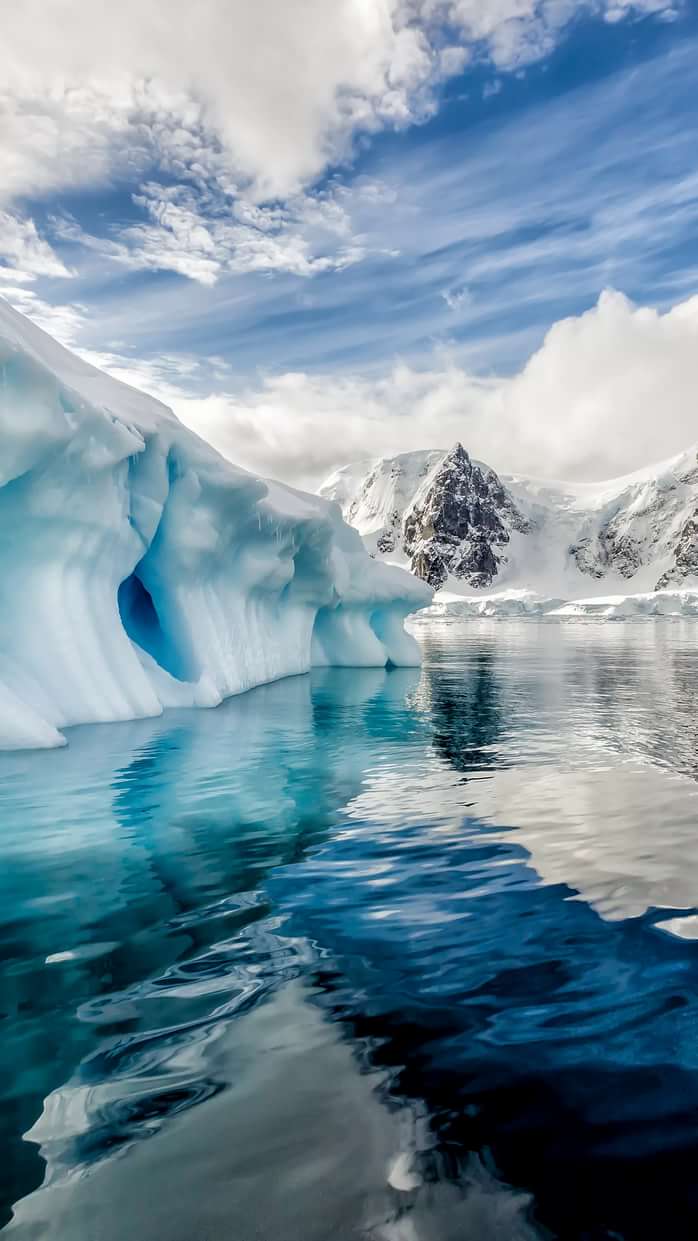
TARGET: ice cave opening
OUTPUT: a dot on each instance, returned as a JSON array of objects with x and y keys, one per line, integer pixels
[{"x": 140, "y": 619}]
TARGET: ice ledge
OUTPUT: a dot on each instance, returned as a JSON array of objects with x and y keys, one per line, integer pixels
[
  {"x": 509, "y": 604},
  {"x": 140, "y": 570}
]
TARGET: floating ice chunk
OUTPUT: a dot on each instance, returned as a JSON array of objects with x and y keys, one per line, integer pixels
[
  {"x": 517, "y": 603},
  {"x": 652, "y": 604}
]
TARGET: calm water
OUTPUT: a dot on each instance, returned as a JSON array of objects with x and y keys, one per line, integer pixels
[{"x": 406, "y": 954}]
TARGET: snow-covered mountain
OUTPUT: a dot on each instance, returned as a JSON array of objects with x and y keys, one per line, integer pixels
[
  {"x": 141, "y": 570},
  {"x": 463, "y": 528}
]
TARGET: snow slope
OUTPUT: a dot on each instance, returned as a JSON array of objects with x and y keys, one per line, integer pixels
[
  {"x": 374, "y": 495},
  {"x": 141, "y": 570},
  {"x": 475, "y": 535}
]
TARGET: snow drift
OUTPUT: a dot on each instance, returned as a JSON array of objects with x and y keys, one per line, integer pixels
[{"x": 141, "y": 570}]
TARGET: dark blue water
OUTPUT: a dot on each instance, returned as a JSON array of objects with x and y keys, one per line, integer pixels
[{"x": 477, "y": 882}]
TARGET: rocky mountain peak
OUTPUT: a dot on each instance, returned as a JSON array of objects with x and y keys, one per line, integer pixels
[
  {"x": 448, "y": 516},
  {"x": 459, "y": 519}
]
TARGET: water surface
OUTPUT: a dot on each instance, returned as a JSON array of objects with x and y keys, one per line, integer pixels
[{"x": 404, "y": 954}]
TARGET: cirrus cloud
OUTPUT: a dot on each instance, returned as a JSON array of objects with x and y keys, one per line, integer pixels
[{"x": 256, "y": 100}]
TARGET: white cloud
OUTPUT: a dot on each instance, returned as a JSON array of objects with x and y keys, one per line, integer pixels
[
  {"x": 456, "y": 296},
  {"x": 163, "y": 376},
  {"x": 280, "y": 87},
  {"x": 253, "y": 100},
  {"x": 607, "y": 392},
  {"x": 492, "y": 88},
  {"x": 24, "y": 252},
  {"x": 201, "y": 233},
  {"x": 514, "y": 33},
  {"x": 617, "y": 10},
  {"x": 61, "y": 321},
  {"x": 259, "y": 97}
]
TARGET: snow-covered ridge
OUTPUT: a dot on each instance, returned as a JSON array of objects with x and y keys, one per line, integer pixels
[
  {"x": 141, "y": 570},
  {"x": 465, "y": 529}
]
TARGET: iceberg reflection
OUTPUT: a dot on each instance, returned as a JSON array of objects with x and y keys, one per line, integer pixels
[{"x": 459, "y": 902}]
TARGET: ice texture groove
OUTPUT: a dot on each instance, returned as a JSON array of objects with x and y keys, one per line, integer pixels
[{"x": 141, "y": 570}]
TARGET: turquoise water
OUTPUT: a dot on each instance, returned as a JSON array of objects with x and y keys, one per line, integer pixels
[{"x": 461, "y": 901}]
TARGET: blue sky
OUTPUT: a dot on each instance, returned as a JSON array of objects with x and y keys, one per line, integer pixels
[{"x": 501, "y": 165}]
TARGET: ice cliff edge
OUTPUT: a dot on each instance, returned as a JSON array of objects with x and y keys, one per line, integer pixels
[{"x": 141, "y": 570}]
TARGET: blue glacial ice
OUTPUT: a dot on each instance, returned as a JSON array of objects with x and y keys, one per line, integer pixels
[{"x": 141, "y": 570}]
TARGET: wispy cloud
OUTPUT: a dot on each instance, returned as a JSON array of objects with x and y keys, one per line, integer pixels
[
  {"x": 23, "y": 253},
  {"x": 203, "y": 232},
  {"x": 474, "y": 242},
  {"x": 284, "y": 88},
  {"x": 169, "y": 377},
  {"x": 61, "y": 320},
  {"x": 438, "y": 259},
  {"x": 259, "y": 100}
]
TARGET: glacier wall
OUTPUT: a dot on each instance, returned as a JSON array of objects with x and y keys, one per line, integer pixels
[{"x": 139, "y": 570}]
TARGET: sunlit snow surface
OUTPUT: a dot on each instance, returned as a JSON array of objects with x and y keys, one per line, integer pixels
[
  {"x": 641, "y": 519},
  {"x": 140, "y": 570},
  {"x": 505, "y": 604}
]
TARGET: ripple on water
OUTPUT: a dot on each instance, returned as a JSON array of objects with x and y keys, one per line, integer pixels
[{"x": 459, "y": 901}]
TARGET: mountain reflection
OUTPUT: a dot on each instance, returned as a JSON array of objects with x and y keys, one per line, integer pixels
[{"x": 466, "y": 713}]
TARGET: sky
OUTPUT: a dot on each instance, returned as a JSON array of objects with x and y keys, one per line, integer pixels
[{"x": 327, "y": 230}]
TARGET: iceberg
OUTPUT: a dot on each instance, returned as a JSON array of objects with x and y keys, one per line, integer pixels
[
  {"x": 497, "y": 605},
  {"x": 669, "y": 604},
  {"x": 141, "y": 570},
  {"x": 527, "y": 604}
]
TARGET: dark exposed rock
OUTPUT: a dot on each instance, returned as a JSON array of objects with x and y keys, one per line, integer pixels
[
  {"x": 454, "y": 525},
  {"x": 387, "y": 540},
  {"x": 429, "y": 563},
  {"x": 636, "y": 534},
  {"x": 685, "y": 556},
  {"x": 612, "y": 550},
  {"x": 451, "y": 517},
  {"x": 587, "y": 555}
]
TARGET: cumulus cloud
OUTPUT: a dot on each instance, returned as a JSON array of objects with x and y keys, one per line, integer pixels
[
  {"x": 282, "y": 86},
  {"x": 259, "y": 98},
  {"x": 608, "y": 392}
]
